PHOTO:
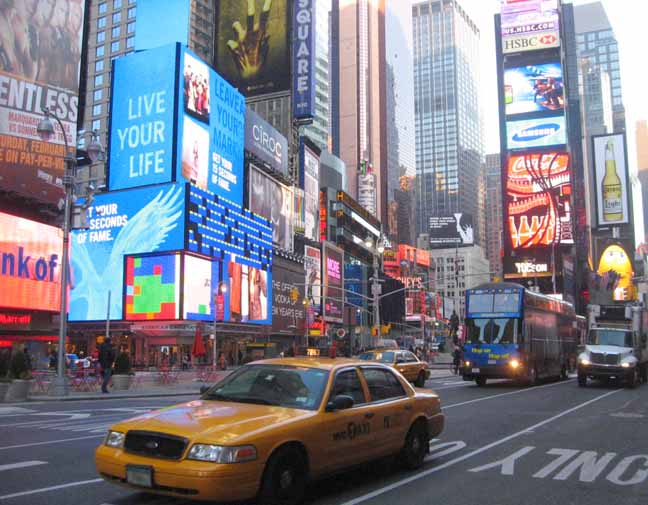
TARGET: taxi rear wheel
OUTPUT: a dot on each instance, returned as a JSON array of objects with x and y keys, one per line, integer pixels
[
  {"x": 284, "y": 479},
  {"x": 416, "y": 445}
]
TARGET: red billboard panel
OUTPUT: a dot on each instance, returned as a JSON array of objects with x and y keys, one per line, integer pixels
[
  {"x": 538, "y": 200},
  {"x": 39, "y": 67},
  {"x": 30, "y": 264}
]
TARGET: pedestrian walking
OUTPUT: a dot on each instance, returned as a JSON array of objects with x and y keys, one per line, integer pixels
[
  {"x": 106, "y": 360},
  {"x": 457, "y": 356}
]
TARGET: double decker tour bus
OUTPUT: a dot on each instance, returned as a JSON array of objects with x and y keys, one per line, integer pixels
[{"x": 514, "y": 333}]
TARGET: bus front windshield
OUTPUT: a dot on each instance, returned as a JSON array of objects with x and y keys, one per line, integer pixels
[
  {"x": 492, "y": 331},
  {"x": 620, "y": 338}
]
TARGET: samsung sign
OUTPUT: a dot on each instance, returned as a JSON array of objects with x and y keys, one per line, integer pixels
[
  {"x": 543, "y": 132},
  {"x": 266, "y": 143},
  {"x": 304, "y": 60}
]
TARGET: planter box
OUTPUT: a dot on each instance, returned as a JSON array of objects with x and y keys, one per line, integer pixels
[
  {"x": 121, "y": 382},
  {"x": 18, "y": 390}
]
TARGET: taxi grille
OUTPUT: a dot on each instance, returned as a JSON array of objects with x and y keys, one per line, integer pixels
[
  {"x": 605, "y": 359},
  {"x": 155, "y": 445}
]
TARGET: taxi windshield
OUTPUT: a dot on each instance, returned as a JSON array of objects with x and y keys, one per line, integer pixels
[
  {"x": 382, "y": 357},
  {"x": 283, "y": 386}
]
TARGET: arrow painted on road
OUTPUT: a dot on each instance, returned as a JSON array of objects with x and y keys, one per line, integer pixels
[
  {"x": 70, "y": 416},
  {"x": 22, "y": 464}
]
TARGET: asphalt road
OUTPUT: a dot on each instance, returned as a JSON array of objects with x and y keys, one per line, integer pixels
[{"x": 503, "y": 444}]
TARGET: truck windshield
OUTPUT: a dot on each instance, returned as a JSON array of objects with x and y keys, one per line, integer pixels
[
  {"x": 619, "y": 338},
  {"x": 492, "y": 331}
]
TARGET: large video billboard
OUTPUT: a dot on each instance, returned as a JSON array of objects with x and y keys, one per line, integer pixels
[
  {"x": 541, "y": 132},
  {"x": 288, "y": 310},
  {"x": 538, "y": 200},
  {"x": 449, "y": 231},
  {"x": 533, "y": 88},
  {"x": 253, "y": 50},
  {"x": 274, "y": 201},
  {"x": 529, "y": 16},
  {"x": 313, "y": 267},
  {"x": 206, "y": 140},
  {"x": 311, "y": 163},
  {"x": 248, "y": 298},
  {"x": 200, "y": 279},
  {"x": 39, "y": 67},
  {"x": 120, "y": 223},
  {"x": 611, "y": 180},
  {"x": 30, "y": 267},
  {"x": 333, "y": 280}
]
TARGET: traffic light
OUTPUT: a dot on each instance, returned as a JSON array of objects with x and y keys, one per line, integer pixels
[{"x": 374, "y": 331}]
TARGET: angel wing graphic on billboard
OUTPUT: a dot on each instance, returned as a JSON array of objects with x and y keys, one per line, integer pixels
[{"x": 146, "y": 231}]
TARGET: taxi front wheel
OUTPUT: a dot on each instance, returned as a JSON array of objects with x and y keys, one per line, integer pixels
[
  {"x": 416, "y": 445},
  {"x": 284, "y": 479}
]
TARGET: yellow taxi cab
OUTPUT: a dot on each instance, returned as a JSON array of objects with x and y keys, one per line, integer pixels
[
  {"x": 406, "y": 362},
  {"x": 269, "y": 428}
]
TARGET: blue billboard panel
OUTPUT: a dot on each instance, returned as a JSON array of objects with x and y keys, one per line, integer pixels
[
  {"x": 304, "y": 59},
  {"x": 211, "y": 130},
  {"x": 153, "y": 30},
  {"x": 534, "y": 88},
  {"x": 141, "y": 130},
  {"x": 540, "y": 132},
  {"x": 134, "y": 221}
]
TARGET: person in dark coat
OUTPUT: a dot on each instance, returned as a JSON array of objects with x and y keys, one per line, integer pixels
[{"x": 106, "y": 360}]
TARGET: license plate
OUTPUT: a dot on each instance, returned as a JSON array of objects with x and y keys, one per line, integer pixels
[
  {"x": 475, "y": 370},
  {"x": 139, "y": 476}
]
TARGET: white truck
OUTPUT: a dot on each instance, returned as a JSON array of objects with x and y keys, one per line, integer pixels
[{"x": 617, "y": 345}]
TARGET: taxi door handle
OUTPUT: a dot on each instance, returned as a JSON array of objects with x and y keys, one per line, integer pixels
[
  {"x": 369, "y": 415},
  {"x": 408, "y": 407}
]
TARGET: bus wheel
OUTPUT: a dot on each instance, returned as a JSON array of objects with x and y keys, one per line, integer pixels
[
  {"x": 582, "y": 380},
  {"x": 481, "y": 381}
]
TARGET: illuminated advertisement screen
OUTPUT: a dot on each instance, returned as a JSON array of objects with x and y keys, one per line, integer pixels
[
  {"x": 311, "y": 164},
  {"x": 201, "y": 277},
  {"x": 206, "y": 140},
  {"x": 613, "y": 279},
  {"x": 611, "y": 180},
  {"x": 538, "y": 200},
  {"x": 120, "y": 223},
  {"x": 39, "y": 67},
  {"x": 249, "y": 294},
  {"x": 275, "y": 202},
  {"x": 534, "y": 88},
  {"x": 313, "y": 267},
  {"x": 30, "y": 268},
  {"x": 152, "y": 287},
  {"x": 333, "y": 277},
  {"x": 142, "y": 137},
  {"x": 528, "y": 16},
  {"x": 541, "y": 132},
  {"x": 253, "y": 50}
]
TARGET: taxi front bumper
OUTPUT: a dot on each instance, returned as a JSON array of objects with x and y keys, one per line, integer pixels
[{"x": 198, "y": 480}]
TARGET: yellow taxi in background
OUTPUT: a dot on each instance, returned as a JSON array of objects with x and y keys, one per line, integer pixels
[
  {"x": 406, "y": 362},
  {"x": 270, "y": 427}
]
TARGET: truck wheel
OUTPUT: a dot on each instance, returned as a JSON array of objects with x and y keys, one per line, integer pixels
[
  {"x": 481, "y": 381},
  {"x": 632, "y": 380},
  {"x": 582, "y": 380}
]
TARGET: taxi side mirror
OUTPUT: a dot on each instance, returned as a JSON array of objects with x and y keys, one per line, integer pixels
[
  {"x": 204, "y": 389},
  {"x": 340, "y": 402}
]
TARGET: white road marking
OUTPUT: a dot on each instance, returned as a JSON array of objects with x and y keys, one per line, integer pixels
[
  {"x": 70, "y": 416},
  {"x": 14, "y": 411},
  {"x": 518, "y": 391},
  {"x": 31, "y": 444},
  {"x": 507, "y": 465},
  {"x": 439, "y": 450},
  {"x": 22, "y": 464},
  {"x": 464, "y": 457},
  {"x": 51, "y": 488}
]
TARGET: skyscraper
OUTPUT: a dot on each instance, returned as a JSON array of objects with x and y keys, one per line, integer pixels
[
  {"x": 111, "y": 34},
  {"x": 447, "y": 112},
  {"x": 597, "y": 44},
  {"x": 492, "y": 177}
]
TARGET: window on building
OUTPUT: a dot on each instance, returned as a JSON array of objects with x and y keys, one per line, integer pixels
[
  {"x": 96, "y": 124},
  {"x": 98, "y": 95},
  {"x": 98, "y": 80},
  {"x": 130, "y": 42},
  {"x": 103, "y": 8},
  {"x": 101, "y": 22},
  {"x": 116, "y": 17},
  {"x": 99, "y": 66},
  {"x": 96, "y": 110},
  {"x": 114, "y": 47},
  {"x": 117, "y": 4},
  {"x": 132, "y": 12},
  {"x": 101, "y": 36},
  {"x": 130, "y": 28},
  {"x": 116, "y": 31},
  {"x": 100, "y": 51}
]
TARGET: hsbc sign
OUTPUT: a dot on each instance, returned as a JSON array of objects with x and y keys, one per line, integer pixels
[{"x": 530, "y": 42}]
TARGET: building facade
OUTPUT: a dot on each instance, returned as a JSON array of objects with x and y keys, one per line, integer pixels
[
  {"x": 447, "y": 113},
  {"x": 492, "y": 239}
]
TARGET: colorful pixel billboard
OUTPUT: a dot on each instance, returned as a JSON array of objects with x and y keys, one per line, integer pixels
[{"x": 152, "y": 287}]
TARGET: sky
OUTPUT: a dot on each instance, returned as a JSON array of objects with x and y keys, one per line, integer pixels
[{"x": 628, "y": 20}]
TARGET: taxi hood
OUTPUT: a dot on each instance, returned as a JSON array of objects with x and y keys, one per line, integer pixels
[{"x": 216, "y": 422}]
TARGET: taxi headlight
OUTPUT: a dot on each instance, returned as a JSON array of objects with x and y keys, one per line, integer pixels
[
  {"x": 584, "y": 362},
  {"x": 514, "y": 363},
  {"x": 625, "y": 365},
  {"x": 114, "y": 439},
  {"x": 222, "y": 454}
]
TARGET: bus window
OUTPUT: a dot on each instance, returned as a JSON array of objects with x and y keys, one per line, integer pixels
[
  {"x": 504, "y": 331},
  {"x": 476, "y": 330},
  {"x": 492, "y": 331}
]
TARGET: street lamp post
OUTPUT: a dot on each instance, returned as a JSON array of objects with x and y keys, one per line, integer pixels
[
  {"x": 218, "y": 292},
  {"x": 45, "y": 131},
  {"x": 376, "y": 248}
]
